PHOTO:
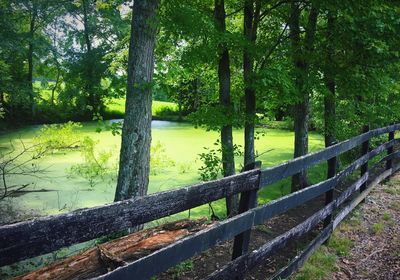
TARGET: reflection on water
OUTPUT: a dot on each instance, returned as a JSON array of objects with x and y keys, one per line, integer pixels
[{"x": 159, "y": 124}]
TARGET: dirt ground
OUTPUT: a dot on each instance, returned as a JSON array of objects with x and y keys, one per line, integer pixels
[{"x": 375, "y": 253}]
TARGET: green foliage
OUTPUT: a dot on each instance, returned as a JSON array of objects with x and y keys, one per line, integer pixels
[
  {"x": 56, "y": 137},
  {"x": 182, "y": 267},
  {"x": 212, "y": 166},
  {"x": 96, "y": 166},
  {"x": 211, "y": 160}
]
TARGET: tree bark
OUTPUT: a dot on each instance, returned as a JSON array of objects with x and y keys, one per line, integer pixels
[
  {"x": 224, "y": 78},
  {"x": 134, "y": 166},
  {"x": 250, "y": 23},
  {"x": 329, "y": 80},
  {"x": 301, "y": 62},
  {"x": 32, "y": 25},
  {"x": 93, "y": 97}
]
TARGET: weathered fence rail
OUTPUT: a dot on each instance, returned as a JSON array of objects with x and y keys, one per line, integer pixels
[{"x": 27, "y": 239}]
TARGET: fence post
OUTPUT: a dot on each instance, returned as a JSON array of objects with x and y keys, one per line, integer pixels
[
  {"x": 332, "y": 163},
  {"x": 248, "y": 200},
  {"x": 364, "y": 151},
  {"x": 389, "y": 162}
]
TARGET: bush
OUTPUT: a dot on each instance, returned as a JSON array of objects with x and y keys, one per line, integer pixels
[
  {"x": 96, "y": 166},
  {"x": 57, "y": 137}
]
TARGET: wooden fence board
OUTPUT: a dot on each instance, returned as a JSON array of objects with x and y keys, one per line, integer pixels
[
  {"x": 299, "y": 260},
  {"x": 31, "y": 238},
  {"x": 239, "y": 266},
  {"x": 39, "y": 236},
  {"x": 279, "y": 172},
  {"x": 185, "y": 248}
]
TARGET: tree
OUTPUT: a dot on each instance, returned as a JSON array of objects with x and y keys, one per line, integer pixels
[
  {"x": 301, "y": 51},
  {"x": 94, "y": 32},
  {"x": 134, "y": 165},
  {"x": 224, "y": 78},
  {"x": 251, "y": 20}
]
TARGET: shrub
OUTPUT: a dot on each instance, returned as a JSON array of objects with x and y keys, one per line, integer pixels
[
  {"x": 57, "y": 137},
  {"x": 96, "y": 166}
]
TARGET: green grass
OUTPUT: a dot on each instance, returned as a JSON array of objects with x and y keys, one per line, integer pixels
[
  {"x": 323, "y": 262},
  {"x": 340, "y": 244},
  {"x": 318, "y": 266},
  {"x": 387, "y": 217},
  {"x": 160, "y": 109},
  {"x": 377, "y": 228}
]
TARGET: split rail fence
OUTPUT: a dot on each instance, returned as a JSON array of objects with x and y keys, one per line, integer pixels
[{"x": 35, "y": 237}]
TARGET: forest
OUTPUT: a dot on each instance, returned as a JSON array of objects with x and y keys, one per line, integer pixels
[{"x": 107, "y": 100}]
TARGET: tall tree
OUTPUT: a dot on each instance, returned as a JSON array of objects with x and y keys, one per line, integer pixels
[
  {"x": 329, "y": 80},
  {"x": 33, "y": 13},
  {"x": 224, "y": 79},
  {"x": 94, "y": 32},
  {"x": 301, "y": 57},
  {"x": 251, "y": 20},
  {"x": 134, "y": 165}
]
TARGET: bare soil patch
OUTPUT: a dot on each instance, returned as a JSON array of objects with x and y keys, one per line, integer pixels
[{"x": 375, "y": 253}]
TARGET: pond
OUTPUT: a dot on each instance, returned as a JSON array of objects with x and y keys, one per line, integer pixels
[{"x": 181, "y": 143}]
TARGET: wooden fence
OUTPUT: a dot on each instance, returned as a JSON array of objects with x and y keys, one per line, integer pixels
[{"x": 31, "y": 238}]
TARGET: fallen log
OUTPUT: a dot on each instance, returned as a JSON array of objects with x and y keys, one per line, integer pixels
[{"x": 110, "y": 255}]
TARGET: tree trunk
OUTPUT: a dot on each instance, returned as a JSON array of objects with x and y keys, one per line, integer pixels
[
  {"x": 329, "y": 79},
  {"x": 301, "y": 62},
  {"x": 93, "y": 98},
  {"x": 250, "y": 23},
  {"x": 53, "y": 90},
  {"x": 330, "y": 96},
  {"x": 180, "y": 105},
  {"x": 134, "y": 166},
  {"x": 224, "y": 78},
  {"x": 30, "y": 58},
  {"x": 54, "y": 52}
]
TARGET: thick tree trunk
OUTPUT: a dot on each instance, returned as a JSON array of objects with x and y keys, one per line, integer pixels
[
  {"x": 134, "y": 166},
  {"x": 301, "y": 61},
  {"x": 224, "y": 78}
]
